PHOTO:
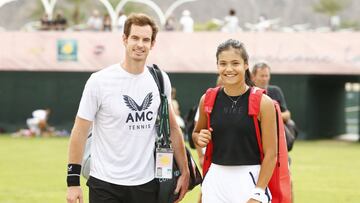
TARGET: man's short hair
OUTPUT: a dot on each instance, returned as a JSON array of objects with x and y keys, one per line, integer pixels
[
  {"x": 259, "y": 65},
  {"x": 140, "y": 19}
]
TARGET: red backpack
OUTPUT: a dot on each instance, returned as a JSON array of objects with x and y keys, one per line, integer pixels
[{"x": 280, "y": 184}]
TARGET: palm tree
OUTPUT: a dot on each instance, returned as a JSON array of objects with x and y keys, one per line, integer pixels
[
  {"x": 79, "y": 9},
  {"x": 330, "y": 7}
]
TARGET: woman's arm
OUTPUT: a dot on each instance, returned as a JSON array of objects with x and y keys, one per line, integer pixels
[
  {"x": 267, "y": 119},
  {"x": 201, "y": 135}
]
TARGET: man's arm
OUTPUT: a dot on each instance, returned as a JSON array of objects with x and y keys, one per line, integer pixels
[
  {"x": 286, "y": 115},
  {"x": 78, "y": 137},
  {"x": 77, "y": 142},
  {"x": 178, "y": 145}
]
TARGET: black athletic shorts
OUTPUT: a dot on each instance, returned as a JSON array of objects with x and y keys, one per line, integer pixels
[{"x": 104, "y": 192}]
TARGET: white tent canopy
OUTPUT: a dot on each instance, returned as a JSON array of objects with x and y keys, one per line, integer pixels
[
  {"x": 287, "y": 53},
  {"x": 3, "y": 2}
]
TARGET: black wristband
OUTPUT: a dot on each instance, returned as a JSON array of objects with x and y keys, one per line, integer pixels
[{"x": 73, "y": 175}]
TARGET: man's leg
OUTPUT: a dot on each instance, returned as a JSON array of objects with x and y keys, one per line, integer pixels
[{"x": 147, "y": 192}]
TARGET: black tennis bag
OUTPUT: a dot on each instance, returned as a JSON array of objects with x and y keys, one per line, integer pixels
[{"x": 168, "y": 186}]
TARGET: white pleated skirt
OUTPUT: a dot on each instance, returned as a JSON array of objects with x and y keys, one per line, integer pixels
[{"x": 230, "y": 184}]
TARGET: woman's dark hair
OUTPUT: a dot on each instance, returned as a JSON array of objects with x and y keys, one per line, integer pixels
[{"x": 235, "y": 44}]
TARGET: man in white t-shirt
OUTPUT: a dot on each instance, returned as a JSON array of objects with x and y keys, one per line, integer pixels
[
  {"x": 231, "y": 24},
  {"x": 120, "y": 103},
  {"x": 186, "y": 21},
  {"x": 121, "y": 21}
]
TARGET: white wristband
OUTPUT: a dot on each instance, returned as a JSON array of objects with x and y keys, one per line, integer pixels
[{"x": 259, "y": 195}]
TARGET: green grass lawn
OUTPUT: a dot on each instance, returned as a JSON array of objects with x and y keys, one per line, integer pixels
[{"x": 33, "y": 171}]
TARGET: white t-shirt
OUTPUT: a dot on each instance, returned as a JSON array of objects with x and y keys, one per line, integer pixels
[
  {"x": 231, "y": 24},
  {"x": 123, "y": 108},
  {"x": 187, "y": 24},
  {"x": 39, "y": 114},
  {"x": 121, "y": 22},
  {"x": 95, "y": 23}
]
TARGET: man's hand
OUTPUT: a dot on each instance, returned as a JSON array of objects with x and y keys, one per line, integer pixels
[
  {"x": 74, "y": 195},
  {"x": 182, "y": 185}
]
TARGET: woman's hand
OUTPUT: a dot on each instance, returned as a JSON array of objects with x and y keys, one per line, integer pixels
[
  {"x": 252, "y": 201},
  {"x": 203, "y": 137}
]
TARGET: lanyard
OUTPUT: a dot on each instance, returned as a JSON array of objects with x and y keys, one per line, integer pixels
[{"x": 163, "y": 123}]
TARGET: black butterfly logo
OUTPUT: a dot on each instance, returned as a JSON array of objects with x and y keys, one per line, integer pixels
[{"x": 134, "y": 106}]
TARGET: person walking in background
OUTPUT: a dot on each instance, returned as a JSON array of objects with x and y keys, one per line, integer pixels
[
  {"x": 236, "y": 174},
  {"x": 95, "y": 22},
  {"x": 186, "y": 22},
  {"x": 261, "y": 77},
  {"x": 170, "y": 24},
  {"x": 121, "y": 21},
  {"x": 123, "y": 142},
  {"x": 107, "y": 25},
  {"x": 231, "y": 23}
]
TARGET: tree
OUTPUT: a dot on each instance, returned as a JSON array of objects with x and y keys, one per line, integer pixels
[
  {"x": 77, "y": 14},
  {"x": 329, "y": 7}
]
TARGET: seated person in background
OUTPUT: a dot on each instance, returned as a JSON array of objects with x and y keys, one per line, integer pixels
[
  {"x": 60, "y": 22},
  {"x": 45, "y": 22},
  {"x": 38, "y": 123}
]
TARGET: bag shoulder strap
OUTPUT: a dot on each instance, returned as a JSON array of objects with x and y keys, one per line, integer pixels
[
  {"x": 162, "y": 121},
  {"x": 255, "y": 100},
  {"x": 158, "y": 77},
  {"x": 254, "y": 110},
  {"x": 210, "y": 97}
]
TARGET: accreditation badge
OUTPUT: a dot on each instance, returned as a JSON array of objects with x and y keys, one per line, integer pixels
[{"x": 164, "y": 163}]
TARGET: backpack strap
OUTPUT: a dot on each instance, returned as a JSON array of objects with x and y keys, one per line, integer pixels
[
  {"x": 254, "y": 110},
  {"x": 158, "y": 77},
  {"x": 209, "y": 101},
  {"x": 162, "y": 120},
  {"x": 254, "y": 100}
]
